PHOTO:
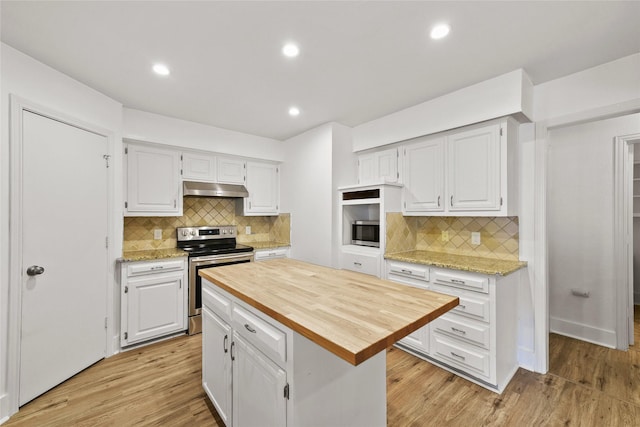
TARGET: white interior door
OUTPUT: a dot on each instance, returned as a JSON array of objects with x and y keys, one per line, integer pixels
[{"x": 65, "y": 225}]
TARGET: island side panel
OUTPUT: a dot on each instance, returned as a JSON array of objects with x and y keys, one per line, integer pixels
[{"x": 328, "y": 391}]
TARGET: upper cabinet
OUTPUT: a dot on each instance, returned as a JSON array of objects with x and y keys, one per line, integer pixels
[
  {"x": 153, "y": 181},
  {"x": 263, "y": 181},
  {"x": 231, "y": 170},
  {"x": 378, "y": 167},
  {"x": 472, "y": 172},
  {"x": 199, "y": 167}
]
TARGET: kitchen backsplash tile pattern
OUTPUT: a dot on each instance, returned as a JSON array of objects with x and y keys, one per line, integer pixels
[
  {"x": 198, "y": 211},
  {"x": 499, "y": 235}
]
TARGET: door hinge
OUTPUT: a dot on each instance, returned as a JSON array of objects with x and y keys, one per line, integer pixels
[
  {"x": 107, "y": 157},
  {"x": 126, "y": 335},
  {"x": 500, "y": 201},
  {"x": 105, "y": 323},
  {"x": 126, "y": 150},
  {"x": 397, "y": 153},
  {"x": 126, "y": 289},
  {"x": 500, "y": 131},
  {"x": 181, "y": 157},
  {"x": 106, "y": 242},
  {"x": 126, "y": 205},
  {"x": 286, "y": 391},
  {"x": 405, "y": 205},
  {"x": 175, "y": 203},
  {"x": 180, "y": 172},
  {"x": 398, "y": 175}
]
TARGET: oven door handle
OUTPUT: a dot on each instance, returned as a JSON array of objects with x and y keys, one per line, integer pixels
[{"x": 217, "y": 259}]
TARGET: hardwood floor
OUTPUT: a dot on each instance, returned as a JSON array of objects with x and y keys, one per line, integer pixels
[{"x": 587, "y": 385}]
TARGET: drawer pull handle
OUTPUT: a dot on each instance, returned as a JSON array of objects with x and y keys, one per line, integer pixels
[
  {"x": 460, "y": 331},
  {"x": 457, "y": 355},
  {"x": 438, "y": 201},
  {"x": 157, "y": 267},
  {"x": 233, "y": 344},
  {"x": 357, "y": 264},
  {"x": 406, "y": 271},
  {"x": 459, "y": 282},
  {"x": 462, "y": 306},
  {"x": 272, "y": 254},
  {"x": 249, "y": 328},
  {"x": 224, "y": 343}
]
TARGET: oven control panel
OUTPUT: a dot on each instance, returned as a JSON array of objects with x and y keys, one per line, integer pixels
[{"x": 206, "y": 232}]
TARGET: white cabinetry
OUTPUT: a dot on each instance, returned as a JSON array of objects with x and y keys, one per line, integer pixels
[
  {"x": 273, "y": 253},
  {"x": 378, "y": 167},
  {"x": 478, "y": 338},
  {"x": 479, "y": 177},
  {"x": 424, "y": 176},
  {"x": 153, "y": 182},
  {"x": 231, "y": 171},
  {"x": 153, "y": 299},
  {"x": 198, "y": 167},
  {"x": 263, "y": 187},
  {"x": 242, "y": 363},
  {"x": 361, "y": 259}
]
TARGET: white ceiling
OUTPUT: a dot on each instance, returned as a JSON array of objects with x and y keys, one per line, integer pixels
[{"x": 359, "y": 60}]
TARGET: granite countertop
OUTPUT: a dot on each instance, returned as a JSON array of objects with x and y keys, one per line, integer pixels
[
  {"x": 353, "y": 315},
  {"x": 151, "y": 254},
  {"x": 266, "y": 245},
  {"x": 459, "y": 262}
]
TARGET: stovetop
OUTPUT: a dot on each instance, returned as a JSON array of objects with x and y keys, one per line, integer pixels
[{"x": 201, "y": 250}]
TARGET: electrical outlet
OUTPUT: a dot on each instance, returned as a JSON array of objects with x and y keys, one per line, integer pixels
[
  {"x": 475, "y": 237},
  {"x": 445, "y": 236},
  {"x": 247, "y": 229},
  {"x": 157, "y": 234}
]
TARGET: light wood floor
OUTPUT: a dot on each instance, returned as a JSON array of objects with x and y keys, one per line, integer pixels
[{"x": 587, "y": 385}]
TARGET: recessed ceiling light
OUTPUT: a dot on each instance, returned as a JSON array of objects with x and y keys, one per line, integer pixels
[
  {"x": 439, "y": 31},
  {"x": 290, "y": 50},
  {"x": 294, "y": 111},
  {"x": 161, "y": 69}
]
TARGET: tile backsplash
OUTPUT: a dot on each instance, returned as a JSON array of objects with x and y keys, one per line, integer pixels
[
  {"x": 499, "y": 235},
  {"x": 198, "y": 211}
]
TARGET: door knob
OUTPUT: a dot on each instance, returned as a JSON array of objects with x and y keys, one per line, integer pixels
[{"x": 35, "y": 270}]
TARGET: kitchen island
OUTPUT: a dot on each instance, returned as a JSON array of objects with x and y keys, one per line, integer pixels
[{"x": 287, "y": 343}]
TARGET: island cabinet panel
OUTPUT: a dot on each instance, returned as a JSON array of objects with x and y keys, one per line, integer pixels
[
  {"x": 216, "y": 372},
  {"x": 477, "y": 339}
]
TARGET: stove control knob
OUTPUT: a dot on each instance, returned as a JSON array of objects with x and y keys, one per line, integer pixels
[
  {"x": 193, "y": 233},
  {"x": 185, "y": 232},
  {"x": 224, "y": 231},
  {"x": 231, "y": 231}
]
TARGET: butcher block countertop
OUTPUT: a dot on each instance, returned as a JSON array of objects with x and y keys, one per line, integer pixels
[{"x": 353, "y": 315}]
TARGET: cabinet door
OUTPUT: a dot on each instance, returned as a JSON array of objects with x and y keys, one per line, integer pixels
[
  {"x": 262, "y": 185},
  {"x": 198, "y": 167},
  {"x": 155, "y": 306},
  {"x": 231, "y": 171},
  {"x": 366, "y": 168},
  {"x": 258, "y": 388},
  {"x": 153, "y": 181},
  {"x": 216, "y": 363},
  {"x": 387, "y": 165},
  {"x": 474, "y": 169},
  {"x": 424, "y": 176}
]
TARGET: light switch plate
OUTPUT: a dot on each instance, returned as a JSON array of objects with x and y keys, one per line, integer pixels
[
  {"x": 247, "y": 229},
  {"x": 444, "y": 236},
  {"x": 475, "y": 237},
  {"x": 157, "y": 233}
]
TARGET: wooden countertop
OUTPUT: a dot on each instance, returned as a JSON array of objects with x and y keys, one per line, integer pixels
[
  {"x": 353, "y": 315},
  {"x": 459, "y": 262}
]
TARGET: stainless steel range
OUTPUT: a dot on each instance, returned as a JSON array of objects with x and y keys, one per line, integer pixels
[{"x": 208, "y": 247}]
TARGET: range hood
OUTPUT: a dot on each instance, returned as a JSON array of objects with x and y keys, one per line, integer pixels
[{"x": 210, "y": 189}]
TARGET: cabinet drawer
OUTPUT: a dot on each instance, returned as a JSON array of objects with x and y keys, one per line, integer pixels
[
  {"x": 368, "y": 264},
  {"x": 217, "y": 303},
  {"x": 475, "y": 362},
  {"x": 136, "y": 269},
  {"x": 474, "y": 333},
  {"x": 411, "y": 271},
  {"x": 267, "y": 338},
  {"x": 462, "y": 281},
  {"x": 264, "y": 255},
  {"x": 471, "y": 304}
]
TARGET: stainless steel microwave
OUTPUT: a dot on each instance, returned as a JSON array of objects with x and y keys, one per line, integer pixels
[{"x": 365, "y": 233}]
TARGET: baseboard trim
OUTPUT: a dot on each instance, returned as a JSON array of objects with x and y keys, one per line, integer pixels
[
  {"x": 603, "y": 337},
  {"x": 4, "y": 408}
]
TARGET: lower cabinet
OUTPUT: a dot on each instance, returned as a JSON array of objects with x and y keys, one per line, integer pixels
[
  {"x": 153, "y": 299},
  {"x": 476, "y": 340},
  {"x": 244, "y": 384},
  {"x": 361, "y": 259},
  {"x": 273, "y": 253}
]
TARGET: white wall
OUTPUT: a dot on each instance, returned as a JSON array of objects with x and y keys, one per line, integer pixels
[
  {"x": 615, "y": 82},
  {"x": 307, "y": 194},
  {"x": 151, "y": 127},
  {"x": 580, "y": 226},
  {"x": 38, "y": 83}
]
